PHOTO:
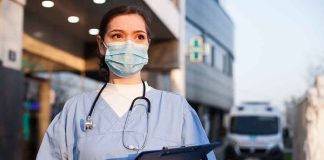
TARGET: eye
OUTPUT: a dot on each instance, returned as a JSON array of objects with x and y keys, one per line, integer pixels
[
  {"x": 116, "y": 36},
  {"x": 141, "y": 37}
]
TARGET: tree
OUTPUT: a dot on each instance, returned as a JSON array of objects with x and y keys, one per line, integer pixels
[{"x": 315, "y": 69}]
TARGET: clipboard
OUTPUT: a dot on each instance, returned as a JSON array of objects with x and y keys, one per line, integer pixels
[{"x": 196, "y": 152}]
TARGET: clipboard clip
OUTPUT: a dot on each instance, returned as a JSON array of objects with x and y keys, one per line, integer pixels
[{"x": 171, "y": 147}]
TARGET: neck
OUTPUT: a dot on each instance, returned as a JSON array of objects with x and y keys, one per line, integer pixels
[{"x": 114, "y": 79}]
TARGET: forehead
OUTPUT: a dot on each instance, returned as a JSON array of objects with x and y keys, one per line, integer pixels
[{"x": 127, "y": 22}]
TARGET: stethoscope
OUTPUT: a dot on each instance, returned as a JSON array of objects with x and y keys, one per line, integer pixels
[{"x": 89, "y": 123}]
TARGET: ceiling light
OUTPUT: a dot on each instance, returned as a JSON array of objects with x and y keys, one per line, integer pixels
[
  {"x": 73, "y": 19},
  {"x": 93, "y": 31},
  {"x": 48, "y": 4},
  {"x": 99, "y": 1},
  {"x": 38, "y": 34}
]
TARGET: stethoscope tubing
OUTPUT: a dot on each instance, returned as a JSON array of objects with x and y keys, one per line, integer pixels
[{"x": 88, "y": 124}]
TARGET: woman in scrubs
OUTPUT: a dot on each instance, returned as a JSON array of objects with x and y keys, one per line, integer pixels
[{"x": 115, "y": 131}]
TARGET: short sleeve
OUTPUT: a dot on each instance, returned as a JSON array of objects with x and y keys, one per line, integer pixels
[
  {"x": 54, "y": 145},
  {"x": 193, "y": 132}
]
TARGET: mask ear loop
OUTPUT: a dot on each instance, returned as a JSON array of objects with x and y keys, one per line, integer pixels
[
  {"x": 106, "y": 78},
  {"x": 103, "y": 42}
]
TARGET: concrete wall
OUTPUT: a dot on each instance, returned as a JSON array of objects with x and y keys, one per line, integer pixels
[
  {"x": 11, "y": 29},
  {"x": 308, "y": 140},
  {"x": 165, "y": 9},
  {"x": 11, "y": 78}
]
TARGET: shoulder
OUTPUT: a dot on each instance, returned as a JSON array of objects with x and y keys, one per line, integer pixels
[
  {"x": 174, "y": 100},
  {"x": 173, "y": 95},
  {"x": 75, "y": 109},
  {"x": 81, "y": 102}
]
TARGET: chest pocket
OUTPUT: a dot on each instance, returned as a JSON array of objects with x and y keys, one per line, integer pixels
[{"x": 108, "y": 145}]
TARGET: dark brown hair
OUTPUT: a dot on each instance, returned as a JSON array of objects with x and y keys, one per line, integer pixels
[{"x": 117, "y": 11}]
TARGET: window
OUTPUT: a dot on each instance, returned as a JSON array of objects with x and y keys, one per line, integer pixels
[
  {"x": 219, "y": 58},
  {"x": 225, "y": 64},
  {"x": 208, "y": 54},
  {"x": 254, "y": 125},
  {"x": 231, "y": 67},
  {"x": 209, "y": 57},
  {"x": 213, "y": 56}
]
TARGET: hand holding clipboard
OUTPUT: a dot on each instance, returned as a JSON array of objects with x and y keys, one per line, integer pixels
[{"x": 197, "y": 152}]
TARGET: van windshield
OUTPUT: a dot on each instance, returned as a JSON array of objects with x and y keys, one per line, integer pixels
[{"x": 254, "y": 125}]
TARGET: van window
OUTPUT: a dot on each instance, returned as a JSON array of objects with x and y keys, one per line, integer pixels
[{"x": 254, "y": 125}]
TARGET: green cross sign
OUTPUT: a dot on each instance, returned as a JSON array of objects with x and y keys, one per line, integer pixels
[{"x": 196, "y": 50}]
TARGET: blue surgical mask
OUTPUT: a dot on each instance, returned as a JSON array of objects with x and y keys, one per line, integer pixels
[{"x": 127, "y": 58}]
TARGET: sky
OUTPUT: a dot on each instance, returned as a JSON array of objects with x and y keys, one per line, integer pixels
[{"x": 276, "y": 42}]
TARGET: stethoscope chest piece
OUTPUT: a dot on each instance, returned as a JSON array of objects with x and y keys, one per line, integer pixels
[{"x": 88, "y": 124}]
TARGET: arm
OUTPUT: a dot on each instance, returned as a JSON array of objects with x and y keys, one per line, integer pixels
[{"x": 54, "y": 144}]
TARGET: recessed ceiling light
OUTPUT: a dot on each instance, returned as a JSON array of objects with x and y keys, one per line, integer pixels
[
  {"x": 99, "y": 1},
  {"x": 73, "y": 19},
  {"x": 38, "y": 34},
  {"x": 48, "y": 4},
  {"x": 93, "y": 31}
]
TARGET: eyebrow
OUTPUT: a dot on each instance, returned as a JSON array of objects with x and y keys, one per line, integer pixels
[
  {"x": 139, "y": 31},
  {"x": 118, "y": 30}
]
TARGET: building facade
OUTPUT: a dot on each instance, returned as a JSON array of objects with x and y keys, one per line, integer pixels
[{"x": 209, "y": 84}]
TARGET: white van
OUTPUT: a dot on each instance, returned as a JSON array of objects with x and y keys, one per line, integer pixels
[{"x": 254, "y": 131}]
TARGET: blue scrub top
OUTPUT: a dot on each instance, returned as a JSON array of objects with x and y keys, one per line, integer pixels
[{"x": 172, "y": 122}]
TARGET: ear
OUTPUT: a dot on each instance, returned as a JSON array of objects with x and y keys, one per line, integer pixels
[{"x": 101, "y": 47}]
